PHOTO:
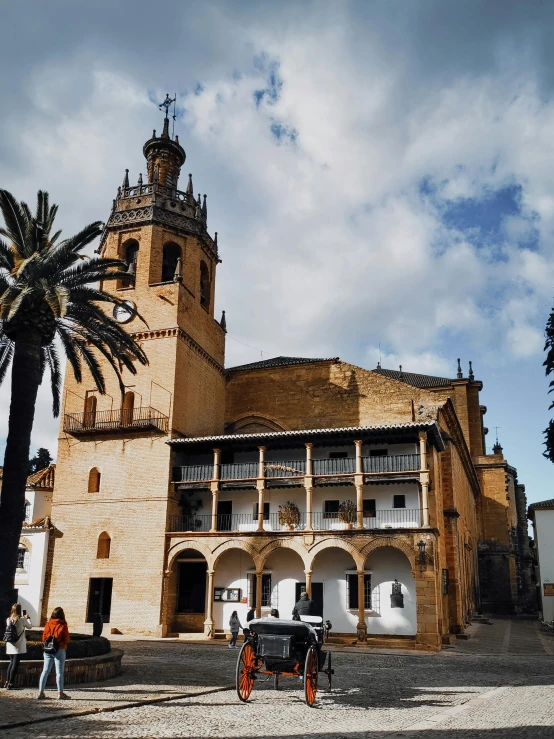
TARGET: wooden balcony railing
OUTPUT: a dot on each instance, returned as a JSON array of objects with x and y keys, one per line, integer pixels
[
  {"x": 94, "y": 422},
  {"x": 398, "y": 518},
  {"x": 297, "y": 468}
]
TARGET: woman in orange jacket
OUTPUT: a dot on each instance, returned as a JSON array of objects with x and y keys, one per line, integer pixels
[{"x": 56, "y": 627}]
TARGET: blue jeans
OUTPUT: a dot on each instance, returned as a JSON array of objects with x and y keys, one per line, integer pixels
[
  {"x": 233, "y": 642},
  {"x": 58, "y": 660}
]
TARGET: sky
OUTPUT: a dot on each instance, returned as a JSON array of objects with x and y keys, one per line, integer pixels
[{"x": 379, "y": 173}]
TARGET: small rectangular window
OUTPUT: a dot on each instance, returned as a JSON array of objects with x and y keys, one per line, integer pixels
[
  {"x": 266, "y": 590},
  {"x": 378, "y": 452},
  {"x": 257, "y": 510},
  {"x": 338, "y": 455},
  {"x": 399, "y": 501},
  {"x": 369, "y": 507},
  {"x": 331, "y": 509}
]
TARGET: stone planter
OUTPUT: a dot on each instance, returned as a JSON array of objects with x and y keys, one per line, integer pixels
[{"x": 78, "y": 670}]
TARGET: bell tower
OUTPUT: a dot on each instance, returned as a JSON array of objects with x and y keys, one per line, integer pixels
[
  {"x": 113, "y": 495},
  {"x": 161, "y": 233}
]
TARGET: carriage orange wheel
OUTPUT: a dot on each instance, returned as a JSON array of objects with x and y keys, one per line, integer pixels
[
  {"x": 246, "y": 665},
  {"x": 311, "y": 668}
]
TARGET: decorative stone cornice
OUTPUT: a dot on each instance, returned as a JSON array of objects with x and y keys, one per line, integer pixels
[
  {"x": 153, "y": 214},
  {"x": 176, "y": 331}
]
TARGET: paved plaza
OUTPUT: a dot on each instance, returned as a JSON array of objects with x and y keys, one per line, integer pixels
[{"x": 499, "y": 685}]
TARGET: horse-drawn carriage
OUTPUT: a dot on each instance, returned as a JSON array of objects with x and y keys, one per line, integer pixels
[{"x": 283, "y": 649}]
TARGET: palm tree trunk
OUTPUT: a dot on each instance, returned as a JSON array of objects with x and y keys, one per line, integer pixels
[{"x": 26, "y": 378}]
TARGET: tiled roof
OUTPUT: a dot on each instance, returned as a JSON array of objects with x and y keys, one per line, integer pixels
[
  {"x": 41, "y": 523},
  {"x": 43, "y": 478},
  {"x": 279, "y": 362},
  {"x": 410, "y": 378},
  {"x": 429, "y": 426},
  {"x": 542, "y": 504}
]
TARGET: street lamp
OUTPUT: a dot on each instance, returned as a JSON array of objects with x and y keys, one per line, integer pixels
[{"x": 421, "y": 547}]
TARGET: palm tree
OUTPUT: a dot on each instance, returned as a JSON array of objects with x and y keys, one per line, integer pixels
[{"x": 48, "y": 297}]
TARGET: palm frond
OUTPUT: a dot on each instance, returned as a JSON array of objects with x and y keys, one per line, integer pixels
[
  {"x": 52, "y": 360},
  {"x": 14, "y": 218},
  {"x": 6, "y": 356}
]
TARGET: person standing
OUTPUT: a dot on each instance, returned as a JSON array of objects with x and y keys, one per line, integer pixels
[
  {"x": 55, "y": 639},
  {"x": 16, "y": 624},
  {"x": 234, "y": 626},
  {"x": 303, "y": 607}
]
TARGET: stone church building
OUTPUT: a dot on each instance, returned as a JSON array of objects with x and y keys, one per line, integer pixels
[{"x": 200, "y": 490}]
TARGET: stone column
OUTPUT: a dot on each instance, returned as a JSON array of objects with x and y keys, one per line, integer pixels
[
  {"x": 261, "y": 486},
  {"x": 359, "y": 482},
  {"x": 361, "y": 628},
  {"x": 259, "y": 594},
  {"x": 209, "y": 626},
  {"x": 215, "y": 488},
  {"x": 308, "y": 574},
  {"x": 424, "y": 479},
  {"x": 308, "y": 484}
]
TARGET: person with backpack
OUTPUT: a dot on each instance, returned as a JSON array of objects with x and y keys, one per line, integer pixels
[
  {"x": 55, "y": 639},
  {"x": 16, "y": 642},
  {"x": 234, "y": 626}
]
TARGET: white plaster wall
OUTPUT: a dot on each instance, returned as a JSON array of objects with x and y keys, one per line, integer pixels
[
  {"x": 545, "y": 542},
  {"x": 386, "y": 565},
  {"x": 231, "y": 571},
  {"x": 41, "y": 505},
  {"x": 330, "y": 568},
  {"x": 287, "y": 569},
  {"x": 30, "y": 585}
]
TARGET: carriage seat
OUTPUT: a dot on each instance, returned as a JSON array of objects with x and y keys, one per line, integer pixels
[{"x": 282, "y": 627}]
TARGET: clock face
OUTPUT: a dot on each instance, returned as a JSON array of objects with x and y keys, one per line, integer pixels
[{"x": 125, "y": 312}]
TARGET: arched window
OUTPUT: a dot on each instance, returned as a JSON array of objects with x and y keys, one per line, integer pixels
[
  {"x": 27, "y": 518},
  {"x": 204, "y": 285},
  {"x": 130, "y": 255},
  {"x": 94, "y": 480},
  {"x": 90, "y": 411},
  {"x": 104, "y": 544},
  {"x": 171, "y": 254},
  {"x": 23, "y": 558},
  {"x": 127, "y": 408}
]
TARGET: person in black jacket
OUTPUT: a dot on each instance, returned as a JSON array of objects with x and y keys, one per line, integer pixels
[{"x": 303, "y": 607}]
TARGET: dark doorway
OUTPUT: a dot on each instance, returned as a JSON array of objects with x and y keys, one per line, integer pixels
[
  {"x": 317, "y": 595},
  {"x": 191, "y": 594},
  {"x": 100, "y": 598},
  {"x": 224, "y": 515}
]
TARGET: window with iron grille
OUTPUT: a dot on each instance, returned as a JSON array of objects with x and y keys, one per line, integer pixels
[
  {"x": 27, "y": 512},
  {"x": 352, "y": 591},
  {"x": 23, "y": 558},
  {"x": 266, "y": 591}
]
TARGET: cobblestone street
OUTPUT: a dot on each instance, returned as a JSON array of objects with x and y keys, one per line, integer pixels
[{"x": 498, "y": 684}]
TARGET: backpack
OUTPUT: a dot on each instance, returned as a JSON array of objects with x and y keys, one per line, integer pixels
[
  {"x": 11, "y": 636},
  {"x": 50, "y": 645}
]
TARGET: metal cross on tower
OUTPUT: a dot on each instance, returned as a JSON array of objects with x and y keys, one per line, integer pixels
[{"x": 167, "y": 103}]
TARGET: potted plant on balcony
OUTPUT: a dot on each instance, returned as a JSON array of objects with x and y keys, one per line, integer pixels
[
  {"x": 347, "y": 513},
  {"x": 289, "y": 515},
  {"x": 189, "y": 509}
]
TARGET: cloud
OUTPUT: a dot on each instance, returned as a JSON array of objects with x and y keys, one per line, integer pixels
[{"x": 336, "y": 145}]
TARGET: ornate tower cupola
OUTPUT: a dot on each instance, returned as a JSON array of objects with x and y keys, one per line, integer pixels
[{"x": 164, "y": 155}]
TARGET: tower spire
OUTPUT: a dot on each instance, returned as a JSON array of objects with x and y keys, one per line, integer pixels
[
  {"x": 190, "y": 188},
  {"x": 126, "y": 179},
  {"x": 459, "y": 374}
]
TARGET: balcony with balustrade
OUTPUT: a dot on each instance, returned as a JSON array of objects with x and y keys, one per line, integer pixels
[
  {"x": 240, "y": 485},
  {"x": 115, "y": 421}
]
